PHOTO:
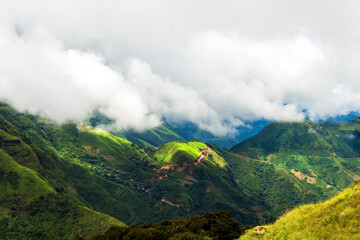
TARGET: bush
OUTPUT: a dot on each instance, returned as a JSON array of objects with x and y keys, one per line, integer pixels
[{"x": 218, "y": 225}]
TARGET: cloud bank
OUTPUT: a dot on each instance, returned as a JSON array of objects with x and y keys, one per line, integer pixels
[{"x": 218, "y": 67}]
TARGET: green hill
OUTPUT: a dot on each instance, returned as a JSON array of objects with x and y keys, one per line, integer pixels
[
  {"x": 324, "y": 157},
  {"x": 155, "y": 137},
  {"x": 31, "y": 207},
  {"x": 176, "y": 152},
  {"x": 206, "y": 181},
  {"x": 63, "y": 180},
  {"x": 166, "y": 132},
  {"x": 337, "y": 218},
  {"x": 90, "y": 178},
  {"x": 277, "y": 189}
]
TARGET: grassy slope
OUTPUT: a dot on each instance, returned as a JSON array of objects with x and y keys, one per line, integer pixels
[
  {"x": 88, "y": 177},
  {"x": 16, "y": 179},
  {"x": 337, "y": 218},
  {"x": 324, "y": 155},
  {"x": 155, "y": 137},
  {"x": 131, "y": 167},
  {"x": 211, "y": 184},
  {"x": 176, "y": 152},
  {"x": 30, "y": 206},
  {"x": 276, "y": 188},
  {"x": 114, "y": 177}
]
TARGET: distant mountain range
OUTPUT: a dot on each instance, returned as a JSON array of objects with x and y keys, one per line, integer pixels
[
  {"x": 325, "y": 157},
  {"x": 173, "y": 131},
  {"x": 165, "y": 133},
  {"x": 61, "y": 181}
]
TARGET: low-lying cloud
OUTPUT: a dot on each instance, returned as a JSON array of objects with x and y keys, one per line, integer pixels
[
  {"x": 210, "y": 68},
  {"x": 38, "y": 75}
]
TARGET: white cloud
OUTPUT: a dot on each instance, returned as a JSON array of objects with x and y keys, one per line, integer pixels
[
  {"x": 210, "y": 63},
  {"x": 37, "y": 74},
  {"x": 350, "y": 136}
]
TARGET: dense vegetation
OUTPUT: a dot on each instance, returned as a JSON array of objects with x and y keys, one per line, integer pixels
[
  {"x": 33, "y": 206},
  {"x": 337, "y": 218},
  {"x": 54, "y": 177},
  {"x": 275, "y": 188},
  {"x": 218, "y": 225},
  {"x": 177, "y": 152},
  {"x": 61, "y": 180},
  {"x": 324, "y": 157}
]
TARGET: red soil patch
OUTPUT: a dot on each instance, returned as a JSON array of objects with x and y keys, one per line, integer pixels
[
  {"x": 302, "y": 176},
  {"x": 96, "y": 152},
  {"x": 171, "y": 203},
  {"x": 180, "y": 167}
]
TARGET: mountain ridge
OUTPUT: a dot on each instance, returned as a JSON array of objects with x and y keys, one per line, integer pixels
[{"x": 324, "y": 156}]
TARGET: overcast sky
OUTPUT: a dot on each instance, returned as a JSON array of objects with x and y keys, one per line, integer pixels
[{"x": 214, "y": 63}]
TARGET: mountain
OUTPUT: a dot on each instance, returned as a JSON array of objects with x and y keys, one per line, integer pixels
[
  {"x": 324, "y": 157},
  {"x": 166, "y": 132},
  {"x": 91, "y": 179},
  {"x": 207, "y": 178},
  {"x": 61, "y": 180},
  {"x": 274, "y": 187},
  {"x": 259, "y": 176},
  {"x": 36, "y": 200},
  {"x": 205, "y": 136},
  {"x": 337, "y": 218},
  {"x": 155, "y": 137}
]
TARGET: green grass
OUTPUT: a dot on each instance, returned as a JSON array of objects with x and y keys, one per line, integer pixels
[
  {"x": 17, "y": 180},
  {"x": 155, "y": 137},
  {"x": 53, "y": 217},
  {"x": 177, "y": 152},
  {"x": 32, "y": 209},
  {"x": 337, "y": 218},
  {"x": 108, "y": 144}
]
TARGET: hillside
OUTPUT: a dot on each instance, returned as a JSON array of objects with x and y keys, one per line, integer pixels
[
  {"x": 166, "y": 132},
  {"x": 155, "y": 137},
  {"x": 337, "y": 218},
  {"x": 91, "y": 179},
  {"x": 31, "y": 207},
  {"x": 277, "y": 189},
  {"x": 205, "y": 177},
  {"x": 87, "y": 172},
  {"x": 324, "y": 157}
]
